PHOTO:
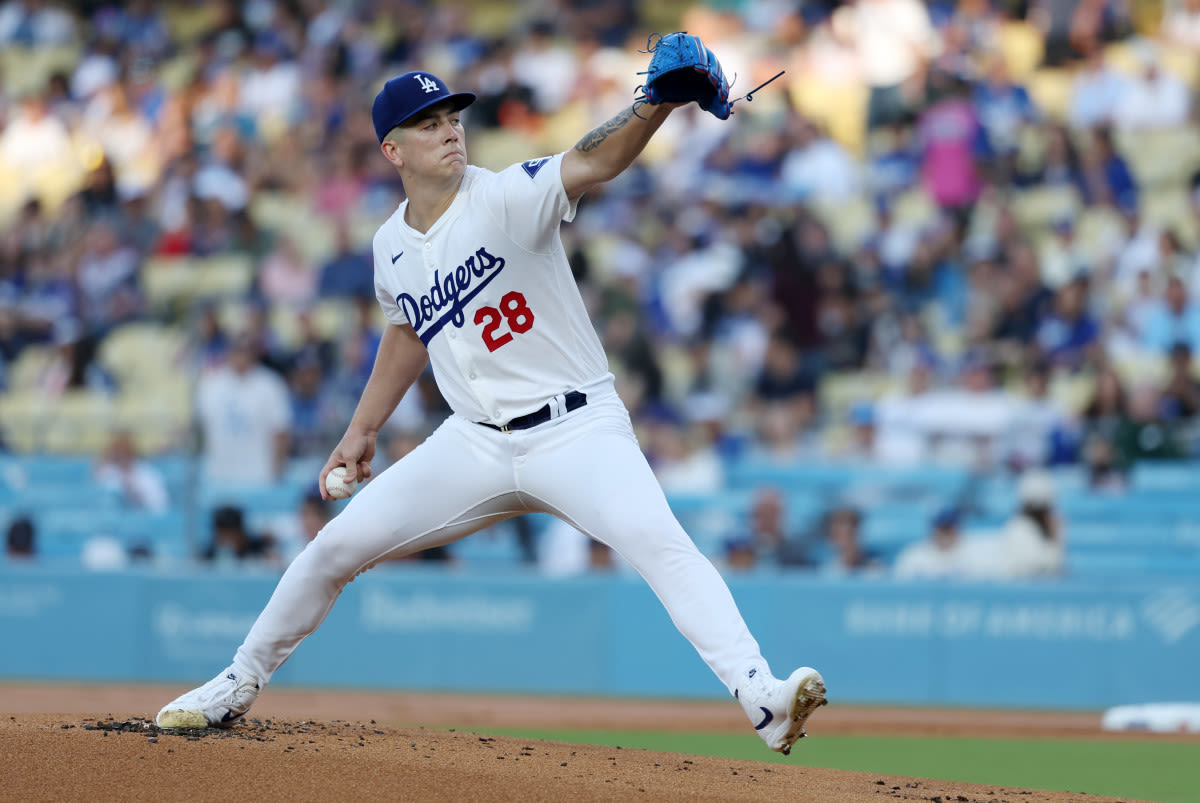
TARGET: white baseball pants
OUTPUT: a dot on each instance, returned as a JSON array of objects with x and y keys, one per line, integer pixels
[{"x": 585, "y": 467}]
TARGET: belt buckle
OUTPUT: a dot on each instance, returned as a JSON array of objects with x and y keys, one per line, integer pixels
[{"x": 504, "y": 428}]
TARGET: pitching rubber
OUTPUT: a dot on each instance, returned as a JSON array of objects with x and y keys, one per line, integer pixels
[
  {"x": 181, "y": 719},
  {"x": 810, "y": 695}
]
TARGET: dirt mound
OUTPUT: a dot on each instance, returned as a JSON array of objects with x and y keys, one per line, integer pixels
[{"x": 64, "y": 757}]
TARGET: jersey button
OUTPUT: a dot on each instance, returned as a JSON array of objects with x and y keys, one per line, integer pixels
[
  {"x": 428, "y": 245},
  {"x": 472, "y": 375}
]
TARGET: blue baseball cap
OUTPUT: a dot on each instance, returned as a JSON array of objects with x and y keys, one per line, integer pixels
[
  {"x": 948, "y": 517},
  {"x": 407, "y": 94}
]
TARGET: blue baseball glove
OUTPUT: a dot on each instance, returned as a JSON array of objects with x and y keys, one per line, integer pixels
[{"x": 683, "y": 69}]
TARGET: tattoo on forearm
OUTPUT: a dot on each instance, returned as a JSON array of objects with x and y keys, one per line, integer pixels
[{"x": 593, "y": 138}]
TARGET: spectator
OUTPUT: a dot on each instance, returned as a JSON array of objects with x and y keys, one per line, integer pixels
[
  {"x": 784, "y": 431},
  {"x": 244, "y": 416},
  {"x": 1024, "y": 299},
  {"x": 944, "y": 555},
  {"x": 1181, "y": 393},
  {"x": 817, "y": 168},
  {"x": 861, "y": 439},
  {"x": 783, "y": 376},
  {"x": 107, "y": 281},
  {"x": 286, "y": 277},
  {"x": 35, "y": 24},
  {"x": 969, "y": 425},
  {"x": 951, "y": 140},
  {"x": 901, "y": 436},
  {"x": 1032, "y": 542},
  {"x": 683, "y": 457},
  {"x": 1155, "y": 99},
  {"x": 135, "y": 481},
  {"x": 103, "y": 553},
  {"x": 895, "y": 40},
  {"x": 739, "y": 556},
  {"x": 315, "y": 413},
  {"x": 1175, "y": 320},
  {"x": 1107, "y": 407},
  {"x": 1095, "y": 91},
  {"x": 1005, "y": 107},
  {"x": 20, "y": 545},
  {"x": 1104, "y": 176},
  {"x": 1068, "y": 337},
  {"x": 270, "y": 88},
  {"x": 293, "y": 532},
  {"x": 1064, "y": 255},
  {"x": 1042, "y": 434},
  {"x": 349, "y": 272},
  {"x": 210, "y": 342},
  {"x": 767, "y": 534},
  {"x": 232, "y": 543},
  {"x": 1181, "y": 24},
  {"x": 546, "y": 66},
  {"x": 1104, "y": 475},
  {"x": 37, "y": 145},
  {"x": 841, "y": 530},
  {"x": 1144, "y": 434}
]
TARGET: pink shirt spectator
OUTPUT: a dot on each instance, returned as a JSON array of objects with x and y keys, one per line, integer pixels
[{"x": 947, "y": 133}]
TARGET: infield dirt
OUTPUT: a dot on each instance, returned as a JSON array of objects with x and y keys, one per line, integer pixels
[{"x": 332, "y": 745}]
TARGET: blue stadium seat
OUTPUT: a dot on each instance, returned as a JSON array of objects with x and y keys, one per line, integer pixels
[{"x": 62, "y": 533}]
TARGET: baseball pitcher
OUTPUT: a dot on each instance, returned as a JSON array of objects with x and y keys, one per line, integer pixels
[{"x": 472, "y": 275}]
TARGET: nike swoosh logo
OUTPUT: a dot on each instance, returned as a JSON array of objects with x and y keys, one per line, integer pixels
[
  {"x": 767, "y": 717},
  {"x": 397, "y": 257},
  {"x": 230, "y": 716}
]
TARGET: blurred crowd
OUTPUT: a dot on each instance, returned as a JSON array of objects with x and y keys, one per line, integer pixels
[{"x": 961, "y": 232}]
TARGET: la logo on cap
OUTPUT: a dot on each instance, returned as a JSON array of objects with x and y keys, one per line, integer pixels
[{"x": 427, "y": 83}]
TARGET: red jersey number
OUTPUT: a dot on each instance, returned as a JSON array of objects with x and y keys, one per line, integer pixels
[{"x": 513, "y": 310}]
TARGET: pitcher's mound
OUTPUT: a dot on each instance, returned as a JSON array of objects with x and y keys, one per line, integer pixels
[{"x": 61, "y": 757}]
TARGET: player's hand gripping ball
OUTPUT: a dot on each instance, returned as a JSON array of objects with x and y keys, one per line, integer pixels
[{"x": 339, "y": 483}]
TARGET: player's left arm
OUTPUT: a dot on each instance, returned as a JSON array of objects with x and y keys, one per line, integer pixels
[{"x": 608, "y": 149}]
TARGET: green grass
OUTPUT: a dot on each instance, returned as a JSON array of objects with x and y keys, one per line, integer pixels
[{"x": 1168, "y": 772}]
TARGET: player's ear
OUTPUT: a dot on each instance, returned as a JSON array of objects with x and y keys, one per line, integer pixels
[{"x": 391, "y": 149}]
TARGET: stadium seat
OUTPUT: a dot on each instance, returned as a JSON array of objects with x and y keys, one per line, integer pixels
[
  {"x": 1050, "y": 90},
  {"x": 225, "y": 276},
  {"x": 1171, "y": 207},
  {"x": 1022, "y": 46},
  {"x": 334, "y": 318},
  {"x": 23, "y": 415},
  {"x": 172, "y": 284},
  {"x": 838, "y": 391},
  {"x": 63, "y": 533},
  {"x": 80, "y": 422},
  {"x": 166, "y": 282},
  {"x": 1160, "y": 158},
  {"x": 136, "y": 352},
  {"x": 1038, "y": 207},
  {"x": 25, "y": 370},
  {"x": 850, "y": 222},
  {"x": 27, "y": 69}
]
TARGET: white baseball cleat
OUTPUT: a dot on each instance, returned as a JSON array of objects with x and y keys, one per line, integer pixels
[
  {"x": 779, "y": 708},
  {"x": 219, "y": 703}
]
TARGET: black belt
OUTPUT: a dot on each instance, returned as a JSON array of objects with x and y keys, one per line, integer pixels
[{"x": 574, "y": 400}]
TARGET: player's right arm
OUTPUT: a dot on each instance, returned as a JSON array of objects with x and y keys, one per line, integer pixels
[{"x": 398, "y": 363}]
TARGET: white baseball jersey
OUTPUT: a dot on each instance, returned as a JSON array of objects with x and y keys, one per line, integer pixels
[{"x": 490, "y": 293}]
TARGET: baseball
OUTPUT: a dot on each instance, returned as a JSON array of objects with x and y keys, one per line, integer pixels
[{"x": 339, "y": 484}]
